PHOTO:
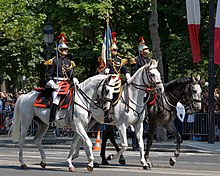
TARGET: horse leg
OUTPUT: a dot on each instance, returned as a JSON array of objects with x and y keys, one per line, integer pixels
[
  {"x": 42, "y": 129},
  {"x": 88, "y": 143},
  {"x": 74, "y": 151},
  {"x": 151, "y": 133},
  {"x": 139, "y": 134},
  {"x": 22, "y": 136},
  {"x": 172, "y": 129}
]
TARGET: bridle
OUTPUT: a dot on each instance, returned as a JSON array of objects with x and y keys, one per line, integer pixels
[
  {"x": 187, "y": 103},
  {"x": 151, "y": 84},
  {"x": 151, "y": 87},
  {"x": 99, "y": 102}
]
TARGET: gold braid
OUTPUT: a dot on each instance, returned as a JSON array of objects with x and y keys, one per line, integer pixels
[
  {"x": 66, "y": 69},
  {"x": 115, "y": 69}
]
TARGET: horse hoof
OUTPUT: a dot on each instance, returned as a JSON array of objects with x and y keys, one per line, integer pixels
[
  {"x": 43, "y": 165},
  {"x": 89, "y": 168},
  {"x": 146, "y": 167},
  {"x": 110, "y": 157},
  {"x": 172, "y": 161},
  {"x": 105, "y": 162},
  {"x": 150, "y": 165},
  {"x": 96, "y": 164},
  {"x": 24, "y": 166},
  {"x": 71, "y": 169},
  {"x": 122, "y": 161}
]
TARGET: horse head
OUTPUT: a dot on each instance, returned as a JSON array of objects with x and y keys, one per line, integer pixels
[
  {"x": 196, "y": 93},
  {"x": 149, "y": 76},
  {"x": 154, "y": 76},
  {"x": 108, "y": 89},
  {"x": 193, "y": 94}
]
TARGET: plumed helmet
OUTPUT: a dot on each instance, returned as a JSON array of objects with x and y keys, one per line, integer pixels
[
  {"x": 142, "y": 47},
  {"x": 114, "y": 41},
  {"x": 62, "y": 44},
  {"x": 141, "y": 40}
]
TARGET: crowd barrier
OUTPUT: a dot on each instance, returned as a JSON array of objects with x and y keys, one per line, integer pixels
[{"x": 196, "y": 127}]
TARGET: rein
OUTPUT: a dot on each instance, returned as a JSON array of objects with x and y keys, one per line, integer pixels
[
  {"x": 87, "y": 98},
  {"x": 184, "y": 101},
  {"x": 151, "y": 84},
  {"x": 146, "y": 87}
]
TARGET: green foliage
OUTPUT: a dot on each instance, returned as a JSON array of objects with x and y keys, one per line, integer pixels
[
  {"x": 21, "y": 40},
  {"x": 84, "y": 23}
]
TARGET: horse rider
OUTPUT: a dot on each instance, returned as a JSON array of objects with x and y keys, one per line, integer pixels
[
  {"x": 60, "y": 69},
  {"x": 142, "y": 57},
  {"x": 115, "y": 65}
]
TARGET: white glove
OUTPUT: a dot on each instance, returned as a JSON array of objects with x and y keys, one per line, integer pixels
[
  {"x": 53, "y": 85},
  {"x": 75, "y": 81},
  {"x": 127, "y": 76},
  {"x": 132, "y": 128},
  {"x": 107, "y": 71}
]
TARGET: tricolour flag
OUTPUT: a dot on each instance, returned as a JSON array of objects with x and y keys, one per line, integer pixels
[
  {"x": 106, "y": 49},
  {"x": 193, "y": 18},
  {"x": 217, "y": 36}
]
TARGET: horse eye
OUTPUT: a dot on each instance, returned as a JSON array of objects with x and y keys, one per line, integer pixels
[{"x": 194, "y": 91}]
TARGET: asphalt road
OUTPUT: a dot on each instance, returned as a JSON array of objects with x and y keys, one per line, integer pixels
[{"x": 188, "y": 164}]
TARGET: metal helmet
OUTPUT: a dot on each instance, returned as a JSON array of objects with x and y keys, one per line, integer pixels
[
  {"x": 142, "y": 47},
  {"x": 62, "y": 46}
]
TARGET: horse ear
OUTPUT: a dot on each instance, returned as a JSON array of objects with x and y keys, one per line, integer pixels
[
  {"x": 157, "y": 63},
  {"x": 193, "y": 80},
  {"x": 198, "y": 78},
  {"x": 154, "y": 62}
]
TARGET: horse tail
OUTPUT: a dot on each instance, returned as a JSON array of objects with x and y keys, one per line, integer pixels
[{"x": 16, "y": 121}]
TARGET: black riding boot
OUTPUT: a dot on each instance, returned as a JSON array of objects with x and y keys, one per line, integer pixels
[{"x": 53, "y": 110}]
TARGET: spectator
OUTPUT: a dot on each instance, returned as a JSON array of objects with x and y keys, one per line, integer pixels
[{"x": 180, "y": 117}]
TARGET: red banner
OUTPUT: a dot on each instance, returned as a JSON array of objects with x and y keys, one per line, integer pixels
[
  {"x": 193, "y": 18},
  {"x": 217, "y": 36}
]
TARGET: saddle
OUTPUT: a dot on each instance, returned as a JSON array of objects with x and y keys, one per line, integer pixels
[{"x": 44, "y": 99}]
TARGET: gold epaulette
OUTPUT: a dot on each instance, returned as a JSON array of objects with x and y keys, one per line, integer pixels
[
  {"x": 120, "y": 55},
  {"x": 73, "y": 64},
  {"x": 124, "y": 61},
  {"x": 132, "y": 61},
  {"x": 49, "y": 62}
]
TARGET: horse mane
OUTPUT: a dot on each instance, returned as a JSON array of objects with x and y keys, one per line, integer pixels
[
  {"x": 179, "y": 81},
  {"x": 136, "y": 73},
  {"x": 93, "y": 78}
]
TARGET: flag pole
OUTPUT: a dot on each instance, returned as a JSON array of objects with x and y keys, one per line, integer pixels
[{"x": 211, "y": 117}]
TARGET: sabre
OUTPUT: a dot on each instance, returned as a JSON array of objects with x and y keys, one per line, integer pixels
[{"x": 57, "y": 60}]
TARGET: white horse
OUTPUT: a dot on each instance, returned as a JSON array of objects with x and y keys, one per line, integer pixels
[
  {"x": 130, "y": 110},
  {"x": 93, "y": 95}
]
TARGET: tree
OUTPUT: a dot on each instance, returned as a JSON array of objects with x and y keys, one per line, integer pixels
[{"x": 21, "y": 36}]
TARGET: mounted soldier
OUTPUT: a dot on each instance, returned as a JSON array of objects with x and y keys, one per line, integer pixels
[
  {"x": 115, "y": 65},
  {"x": 59, "y": 74},
  {"x": 142, "y": 57}
]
